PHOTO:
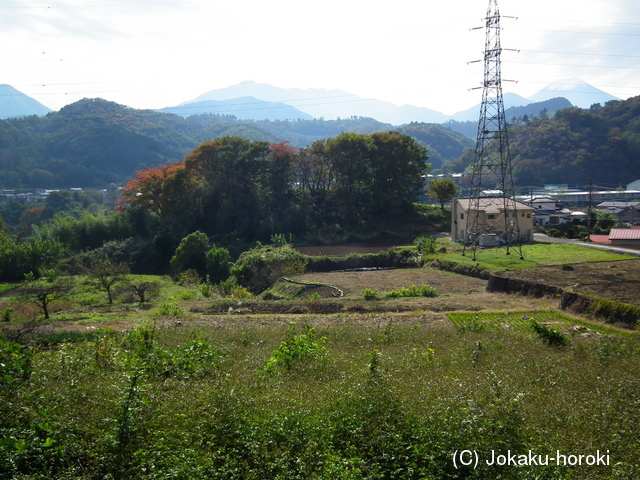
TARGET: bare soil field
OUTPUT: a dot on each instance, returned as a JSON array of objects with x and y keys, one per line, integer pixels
[
  {"x": 455, "y": 293},
  {"x": 619, "y": 280}
]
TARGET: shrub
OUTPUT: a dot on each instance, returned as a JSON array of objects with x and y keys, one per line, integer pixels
[
  {"x": 241, "y": 292},
  {"x": 191, "y": 253},
  {"x": 369, "y": 294},
  {"x": 259, "y": 268},
  {"x": 425, "y": 245},
  {"x": 206, "y": 288},
  {"x": 296, "y": 348},
  {"x": 551, "y": 336},
  {"x": 218, "y": 262},
  {"x": 413, "y": 291},
  {"x": 15, "y": 362}
]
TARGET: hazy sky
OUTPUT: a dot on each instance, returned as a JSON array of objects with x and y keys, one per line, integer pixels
[{"x": 153, "y": 54}]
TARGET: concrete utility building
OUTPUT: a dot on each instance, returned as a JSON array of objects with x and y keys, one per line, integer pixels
[{"x": 491, "y": 221}]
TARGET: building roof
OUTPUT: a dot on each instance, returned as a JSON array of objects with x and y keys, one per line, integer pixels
[
  {"x": 624, "y": 234},
  {"x": 616, "y": 204},
  {"x": 492, "y": 204}
]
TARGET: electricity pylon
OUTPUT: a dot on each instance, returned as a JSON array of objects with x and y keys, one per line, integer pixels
[{"x": 492, "y": 214}]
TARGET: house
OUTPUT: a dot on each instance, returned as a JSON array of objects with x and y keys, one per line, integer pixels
[
  {"x": 627, "y": 212},
  {"x": 549, "y": 211},
  {"x": 624, "y": 236},
  {"x": 491, "y": 220},
  {"x": 630, "y": 215}
]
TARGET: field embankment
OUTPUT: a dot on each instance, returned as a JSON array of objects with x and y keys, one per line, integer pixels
[{"x": 604, "y": 290}]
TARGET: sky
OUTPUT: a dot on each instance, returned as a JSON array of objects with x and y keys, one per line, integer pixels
[{"x": 154, "y": 54}]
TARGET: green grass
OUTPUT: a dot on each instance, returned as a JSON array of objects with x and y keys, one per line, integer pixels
[
  {"x": 522, "y": 319},
  {"x": 387, "y": 399},
  {"x": 538, "y": 255},
  {"x": 7, "y": 286}
]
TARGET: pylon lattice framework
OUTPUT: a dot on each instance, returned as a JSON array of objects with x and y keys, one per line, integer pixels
[{"x": 491, "y": 175}]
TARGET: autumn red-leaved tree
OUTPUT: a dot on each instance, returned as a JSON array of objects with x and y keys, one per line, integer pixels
[{"x": 147, "y": 188}]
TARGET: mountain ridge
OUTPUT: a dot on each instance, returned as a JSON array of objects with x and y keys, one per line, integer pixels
[
  {"x": 332, "y": 104},
  {"x": 260, "y": 101},
  {"x": 15, "y": 104}
]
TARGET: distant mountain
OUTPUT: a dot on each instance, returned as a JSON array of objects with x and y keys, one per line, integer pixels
[
  {"x": 536, "y": 108},
  {"x": 244, "y": 108},
  {"x": 334, "y": 104},
  {"x": 472, "y": 114},
  {"x": 578, "y": 92},
  {"x": 15, "y": 104},
  {"x": 469, "y": 128},
  {"x": 327, "y": 104}
]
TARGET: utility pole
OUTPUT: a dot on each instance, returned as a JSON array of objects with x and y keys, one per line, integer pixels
[
  {"x": 589, "y": 208},
  {"x": 492, "y": 161}
]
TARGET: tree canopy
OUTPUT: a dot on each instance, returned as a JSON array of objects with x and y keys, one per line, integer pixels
[{"x": 256, "y": 189}]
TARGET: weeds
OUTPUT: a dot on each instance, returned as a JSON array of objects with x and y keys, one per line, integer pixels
[
  {"x": 369, "y": 294},
  {"x": 551, "y": 336},
  {"x": 296, "y": 348},
  {"x": 413, "y": 291},
  {"x": 158, "y": 404}
]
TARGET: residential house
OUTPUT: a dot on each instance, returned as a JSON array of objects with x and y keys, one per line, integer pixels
[
  {"x": 549, "y": 211},
  {"x": 626, "y": 212},
  {"x": 491, "y": 220}
]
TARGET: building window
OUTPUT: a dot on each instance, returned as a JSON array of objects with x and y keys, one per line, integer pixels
[
  {"x": 528, "y": 215},
  {"x": 491, "y": 216},
  {"x": 462, "y": 216}
]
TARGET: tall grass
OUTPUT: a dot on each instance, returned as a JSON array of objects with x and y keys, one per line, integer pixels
[{"x": 388, "y": 398}]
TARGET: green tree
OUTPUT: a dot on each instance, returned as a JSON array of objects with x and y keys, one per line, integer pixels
[
  {"x": 218, "y": 263},
  {"x": 444, "y": 189},
  {"x": 350, "y": 154},
  {"x": 191, "y": 254},
  {"x": 398, "y": 165},
  {"x": 105, "y": 274},
  {"x": 44, "y": 291}
]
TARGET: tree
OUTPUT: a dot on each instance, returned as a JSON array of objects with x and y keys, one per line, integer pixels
[
  {"x": 398, "y": 165},
  {"x": 144, "y": 290},
  {"x": 43, "y": 292},
  {"x": 350, "y": 154},
  {"x": 218, "y": 262},
  {"x": 104, "y": 274},
  {"x": 444, "y": 189},
  {"x": 191, "y": 253}
]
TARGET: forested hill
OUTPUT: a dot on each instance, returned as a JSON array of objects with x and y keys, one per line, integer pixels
[
  {"x": 94, "y": 142},
  {"x": 575, "y": 146}
]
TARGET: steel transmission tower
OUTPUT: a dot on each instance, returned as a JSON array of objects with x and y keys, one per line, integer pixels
[{"x": 492, "y": 215}]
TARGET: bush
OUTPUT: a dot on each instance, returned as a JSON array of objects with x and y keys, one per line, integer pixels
[
  {"x": 261, "y": 267},
  {"x": 369, "y": 294},
  {"x": 218, "y": 262},
  {"x": 191, "y": 253},
  {"x": 296, "y": 348},
  {"x": 425, "y": 245},
  {"x": 551, "y": 336},
  {"x": 413, "y": 291}
]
